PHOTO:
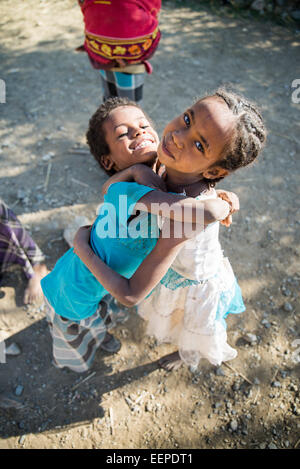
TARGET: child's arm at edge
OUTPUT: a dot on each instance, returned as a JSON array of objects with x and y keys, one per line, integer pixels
[{"x": 133, "y": 290}]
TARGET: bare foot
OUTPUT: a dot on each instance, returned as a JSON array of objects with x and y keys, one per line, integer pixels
[
  {"x": 170, "y": 362},
  {"x": 33, "y": 291}
]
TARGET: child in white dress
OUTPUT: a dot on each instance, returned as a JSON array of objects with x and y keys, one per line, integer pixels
[{"x": 189, "y": 305}]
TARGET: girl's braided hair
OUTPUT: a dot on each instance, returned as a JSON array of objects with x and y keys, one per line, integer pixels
[
  {"x": 249, "y": 134},
  {"x": 95, "y": 135}
]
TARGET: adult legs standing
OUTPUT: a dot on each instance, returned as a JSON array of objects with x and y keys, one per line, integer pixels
[{"x": 18, "y": 248}]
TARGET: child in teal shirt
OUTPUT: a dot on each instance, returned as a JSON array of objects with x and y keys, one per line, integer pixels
[{"x": 68, "y": 287}]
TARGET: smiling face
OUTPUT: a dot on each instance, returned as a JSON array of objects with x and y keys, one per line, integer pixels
[
  {"x": 193, "y": 143},
  {"x": 130, "y": 137}
]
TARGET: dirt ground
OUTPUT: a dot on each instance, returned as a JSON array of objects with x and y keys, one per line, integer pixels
[{"x": 48, "y": 177}]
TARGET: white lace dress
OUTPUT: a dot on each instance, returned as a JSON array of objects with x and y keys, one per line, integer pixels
[{"x": 189, "y": 306}]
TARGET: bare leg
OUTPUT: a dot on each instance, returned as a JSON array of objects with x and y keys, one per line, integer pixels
[
  {"x": 170, "y": 362},
  {"x": 33, "y": 291}
]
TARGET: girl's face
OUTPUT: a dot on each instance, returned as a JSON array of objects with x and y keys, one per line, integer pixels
[
  {"x": 130, "y": 137},
  {"x": 192, "y": 143}
]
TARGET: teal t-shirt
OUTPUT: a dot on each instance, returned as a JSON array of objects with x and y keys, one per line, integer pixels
[{"x": 123, "y": 244}]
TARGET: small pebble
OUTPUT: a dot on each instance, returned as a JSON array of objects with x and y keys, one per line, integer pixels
[
  {"x": 220, "y": 372},
  {"x": 48, "y": 156},
  {"x": 266, "y": 323},
  {"x": 21, "y": 194},
  {"x": 251, "y": 338},
  {"x": 234, "y": 425},
  {"x": 216, "y": 405}
]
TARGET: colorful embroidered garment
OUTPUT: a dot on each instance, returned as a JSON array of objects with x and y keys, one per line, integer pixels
[
  {"x": 71, "y": 289},
  {"x": 189, "y": 307},
  {"x": 120, "y": 29},
  {"x": 129, "y": 85},
  {"x": 74, "y": 343}
]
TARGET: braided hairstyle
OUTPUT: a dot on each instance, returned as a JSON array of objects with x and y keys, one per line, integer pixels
[
  {"x": 248, "y": 137},
  {"x": 96, "y": 138}
]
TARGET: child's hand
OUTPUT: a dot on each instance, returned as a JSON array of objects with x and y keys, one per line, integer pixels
[
  {"x": 81, "y": 239},
  {"x": 232, "y": 199},
  {"x": 144, "y": 175}
]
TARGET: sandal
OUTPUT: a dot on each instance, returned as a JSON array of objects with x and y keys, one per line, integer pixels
[{"x": 110, "y": 344}]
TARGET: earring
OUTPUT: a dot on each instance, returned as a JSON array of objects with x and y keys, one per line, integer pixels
[{"x": 107, "y": 163}]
